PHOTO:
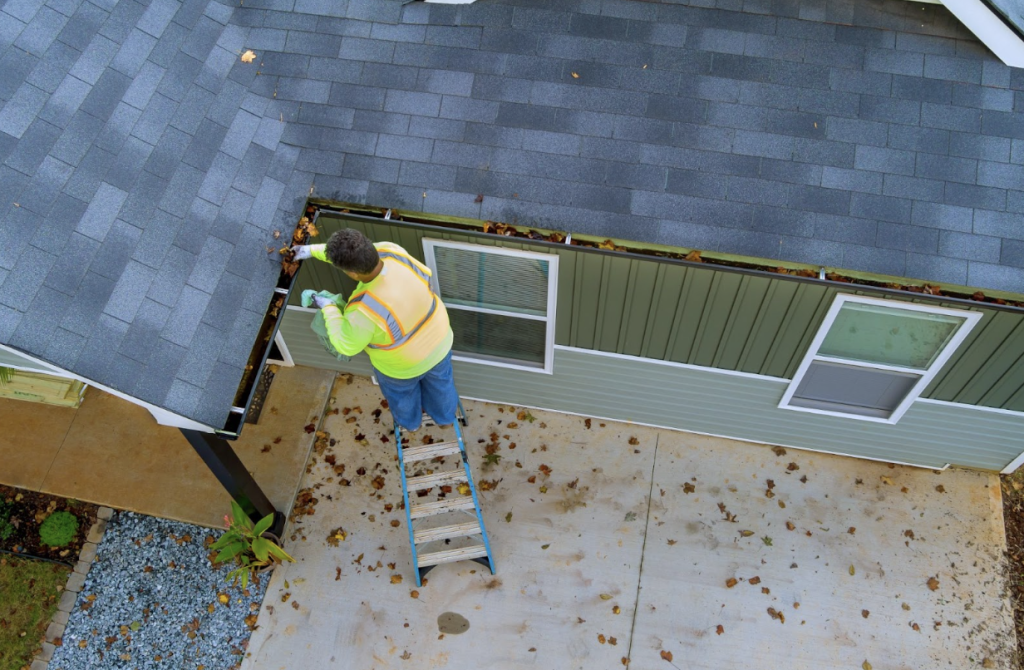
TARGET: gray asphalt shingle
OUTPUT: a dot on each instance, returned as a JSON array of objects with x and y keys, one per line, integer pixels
[{"x": 153, "y": 166}]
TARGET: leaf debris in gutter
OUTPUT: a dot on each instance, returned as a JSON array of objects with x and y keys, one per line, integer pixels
[{"x": 692, "y": 255}]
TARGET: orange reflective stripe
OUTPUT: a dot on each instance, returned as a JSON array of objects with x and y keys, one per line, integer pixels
[
  {"x": 408, "y": 336},
  {"x": 407, "y": 262},
  {"x": 379, "y": 312}
]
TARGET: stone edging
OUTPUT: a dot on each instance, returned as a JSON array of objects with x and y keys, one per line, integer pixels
[{"x": 76, "y": 581}]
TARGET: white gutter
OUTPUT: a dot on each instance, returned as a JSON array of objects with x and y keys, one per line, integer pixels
[{"x": 990, "y": 29}]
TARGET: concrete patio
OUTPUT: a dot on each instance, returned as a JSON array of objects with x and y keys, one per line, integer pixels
[{"x": 619, "y": 545}]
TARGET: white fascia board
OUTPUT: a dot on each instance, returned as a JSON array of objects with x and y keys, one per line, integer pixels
[
  {"x": 990, "y": 29},
  {"x": 163, "y": 417}
]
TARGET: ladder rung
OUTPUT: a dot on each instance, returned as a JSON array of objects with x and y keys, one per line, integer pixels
[
  {"x": 447, "y": 532},
  {"x": 436, "y": 479},
  {"x": 451, "y": 555},
  {"x": 441, "y": 506},
  {"x": 428, "y": 451}
]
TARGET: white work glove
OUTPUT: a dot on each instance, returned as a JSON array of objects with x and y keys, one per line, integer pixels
[
  {"x": 302, "y": 252},
  {"x": 321, "y": 301}
]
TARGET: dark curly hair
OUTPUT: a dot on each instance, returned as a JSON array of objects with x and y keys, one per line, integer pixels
[{"x": 349, "y": 250}]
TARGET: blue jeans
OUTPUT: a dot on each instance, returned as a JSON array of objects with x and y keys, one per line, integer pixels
[{"x": 432, "y": 392}]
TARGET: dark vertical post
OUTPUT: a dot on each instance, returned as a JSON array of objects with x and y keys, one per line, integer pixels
[{"x": 233, "y": 476}]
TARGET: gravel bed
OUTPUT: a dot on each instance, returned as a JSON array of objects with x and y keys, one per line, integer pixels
[{"x": 151, "y": 601}]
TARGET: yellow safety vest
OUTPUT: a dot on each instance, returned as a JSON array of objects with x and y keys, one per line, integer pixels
[{"x": 403, "y": 305}]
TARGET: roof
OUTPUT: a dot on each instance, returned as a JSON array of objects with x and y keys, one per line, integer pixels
[{"x": 146, "y": 167}]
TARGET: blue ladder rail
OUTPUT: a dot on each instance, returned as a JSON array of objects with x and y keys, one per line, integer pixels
[{"x": 486, "y": 560}]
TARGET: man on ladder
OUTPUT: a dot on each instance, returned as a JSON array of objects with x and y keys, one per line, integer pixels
[
  {"x": 397, "y": 319},
  {"x": 403, "y": 326}
]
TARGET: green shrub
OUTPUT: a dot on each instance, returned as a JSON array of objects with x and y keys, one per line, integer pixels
[{"x": 59, "y": 529}]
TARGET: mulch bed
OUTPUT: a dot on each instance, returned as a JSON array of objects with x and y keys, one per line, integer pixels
[
  {"x": 21, "y": 514},
  {"x": 1013, "y": 517}
]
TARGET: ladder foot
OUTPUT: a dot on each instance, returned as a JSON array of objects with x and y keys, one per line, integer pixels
[
  {"x": 486, "y": 562},
  {"x": 422, "y": 572}
]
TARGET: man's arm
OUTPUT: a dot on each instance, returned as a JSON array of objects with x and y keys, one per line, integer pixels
[
  {"x": 304, "y": 251},
  {"x": 349, "y": 333}
]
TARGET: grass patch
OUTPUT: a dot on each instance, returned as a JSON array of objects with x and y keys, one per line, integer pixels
[{"x": 29, "y": 592}]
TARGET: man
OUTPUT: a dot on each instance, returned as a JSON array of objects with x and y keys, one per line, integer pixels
[{"x": 397, "y": 319}]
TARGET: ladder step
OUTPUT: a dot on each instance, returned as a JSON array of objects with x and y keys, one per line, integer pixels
[
  {"x": 447, "y": 532},
  {"x": 436, "y": 479},
  {"x": 441, "y": 506},
  {"x": 451, "y": 555},
  {"x": 427, "y": 451}
]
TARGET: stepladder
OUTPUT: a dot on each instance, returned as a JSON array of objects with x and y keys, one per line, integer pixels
[{"x": 442, "y": 508}]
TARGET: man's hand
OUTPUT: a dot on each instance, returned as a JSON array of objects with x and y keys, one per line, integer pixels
[
  {"x": 320, "y": 302},
  {"x": 302, "y": 252}
]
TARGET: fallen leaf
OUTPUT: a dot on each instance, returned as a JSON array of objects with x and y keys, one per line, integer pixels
[
  {"x": 865, "y": 613},
  {"x": 508, "y": 518},
  {"x": 790, "y": 526},
  {"x": 852, "y": 530},
  {"x": 606, "y": 596},
  {"x": 616, "y": 610},
  {"x": 933, "y": 584},
  {"x": 671, "y": 542},
  {"x": 223, "y": 598},
  {"x": 249, "y": 56},
  {"x": 940, "y": 488},
  {"x": 853, "y": 571},
  {"x": 633, "y": 441},
  {"x": 720, "y": 629},
  {"x": 544, "y": 546},
  {"x": 612, "y": 641},
  {"x": 865, "y": 665},
  {"x": 600, "y": 638},
  {"x": 767, "y": 541},
  {"x": 731, "y": 582},
  {"x": 746, "y": 533},
  {"x": 754, "y": 580},
  {"x": 666, "y": 656},
  {"x": 885, "y": 480},
  {"x": 575, "y": 76},
  {"x": 396, "y": 579},
  {"x": 688, "y": 488},
  {"x": 779, "y": 451}
]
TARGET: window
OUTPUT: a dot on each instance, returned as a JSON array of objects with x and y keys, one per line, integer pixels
[
  {"x": 872, "y": 358},
  {"x": 501, "y": 302}
]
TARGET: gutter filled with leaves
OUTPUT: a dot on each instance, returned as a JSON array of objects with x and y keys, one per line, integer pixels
[{"x": 677, "y": 255}]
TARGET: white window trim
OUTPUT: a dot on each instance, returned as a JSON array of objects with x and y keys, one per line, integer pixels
[
  {"x": 430, "y": 244},
  {"x": 286, "y": 359},
  {"x": 971, "y": 320}
]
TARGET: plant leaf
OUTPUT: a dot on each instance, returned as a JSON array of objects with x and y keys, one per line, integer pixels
[
  {"x": 241, "y": 518},
  {"x": 279, "y": 553},
  {"x": 261, "y": 547},
  {"x": 263, "y": 525},
  {"x": 228, "y": 554}
]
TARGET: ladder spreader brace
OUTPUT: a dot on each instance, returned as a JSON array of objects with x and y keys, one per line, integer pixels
[{"x": 471, "y": 535}]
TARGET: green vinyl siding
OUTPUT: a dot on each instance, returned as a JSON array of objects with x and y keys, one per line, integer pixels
[
  {"x": 703, "y": 315},
  {"x": 710, "y": 401}
]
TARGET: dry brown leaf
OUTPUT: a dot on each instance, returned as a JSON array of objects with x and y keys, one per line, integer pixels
[
  {"x": 754, "y": 580},
  {"x": 666, "y": 656},
  {"x": 865, "y": 613},
  {"x": 600, "y": 638},
  {"x": 396, "y": 579},
  {"x": 720, "y": 629},
  {"x": 933, "y": 584},
  {"x": 731, "y": 582}
]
